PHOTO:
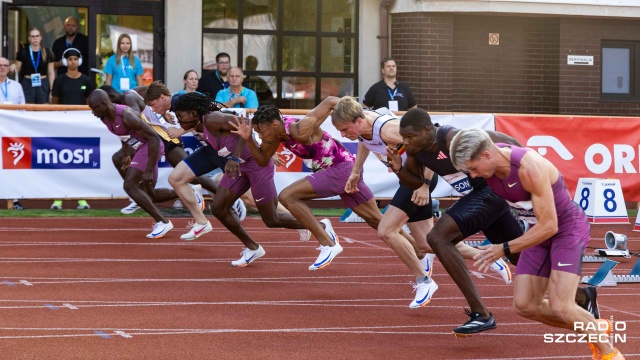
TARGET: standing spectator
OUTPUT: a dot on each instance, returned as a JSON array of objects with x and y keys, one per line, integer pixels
[
  {"x": 211, "y": 83},
  {"x": 389, "y": 92},
  {"x": 124, "y": 70},
  {"x": 72, "y": 88},
  {"x": 11, "y": 94},
  {"x": 72, "y": 39},
  {"x": 190, "y": 80},
  {"x": 236, "y": 95},
  {"x": 34, "y": 65}
]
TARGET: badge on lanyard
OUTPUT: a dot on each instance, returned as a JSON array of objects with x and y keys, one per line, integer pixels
[
  {"x": 393, "y": 104},
  {"x": 35, "y": 78}
]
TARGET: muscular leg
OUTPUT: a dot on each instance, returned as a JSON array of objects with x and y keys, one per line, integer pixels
[
  {"x": 293, "y": 198},
  {"x": 221, "y": 209},
  {"x": 559, "y": 310},
  {"x": 389, "y": 231},
  {"x": 275, "y": 219},
  {"x": 179, "y": 180},
  {"x": 132, "y": 178},
  {"x": 443, "y": 239},
  {"x": 176, "y": 155}
]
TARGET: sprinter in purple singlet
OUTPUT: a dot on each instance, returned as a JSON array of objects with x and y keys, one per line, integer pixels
[{"x": 551, "y": 251}]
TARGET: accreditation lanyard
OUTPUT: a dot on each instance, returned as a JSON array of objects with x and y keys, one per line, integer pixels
[
  {"x": 5, "y": 90},
  {"x": 233, "y": 95},
  {"x": 35, "y": 63},
  {"x": 124, "y": 68},
  {"x": 395, "y": 91}
]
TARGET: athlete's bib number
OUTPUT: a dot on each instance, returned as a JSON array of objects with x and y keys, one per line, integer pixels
[
  {"x": 460, "y": 182},
  {"x": 133, "y": 142}
]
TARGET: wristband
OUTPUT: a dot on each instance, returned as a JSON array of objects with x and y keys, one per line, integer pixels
[
  {"x": 397, "y": 172},
  {"x": 427, "y": 181},
  {"x": 505, "y": 247}
]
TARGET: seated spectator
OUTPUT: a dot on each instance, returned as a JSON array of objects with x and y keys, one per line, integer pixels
[{"x": 236, "y": 95}]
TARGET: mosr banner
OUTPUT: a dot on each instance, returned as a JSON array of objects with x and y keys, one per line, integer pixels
[{"x": 582, "y": 147}]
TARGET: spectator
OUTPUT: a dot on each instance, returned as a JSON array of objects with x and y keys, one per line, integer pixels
[
  {"x": 124, "y": 70},
  {"x": 190, "y": 80},
  {"x": 72, "y": 39},
  {"x": 236, "y": 95},
  {"x": 11, "y": 94},
  {"x": 34, "y": 65},
  {"x": 72, "y": 88},
  {"x": 388, "y": 92},
  {"x": 213, "y": 82}
]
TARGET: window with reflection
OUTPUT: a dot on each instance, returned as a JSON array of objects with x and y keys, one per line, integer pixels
[{"x": 294, "y": 52}]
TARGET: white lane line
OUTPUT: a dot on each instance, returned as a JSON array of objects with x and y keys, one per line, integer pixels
[
  {"x": 123, "y": 334},
  {"x": 70, "y": 306},
  {"x": 26, "y": 283}
]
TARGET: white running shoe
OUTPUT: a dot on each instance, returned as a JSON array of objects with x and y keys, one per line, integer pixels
[
  {"x": 159, "y": 229},
  {"x": 327, "y": 253},
  {"x": 197, "y": 190},
  {"x": 196, "y": 231},
  {"x": 248, "y": 256},
  {"x": 178, "y": 204},
  {"x": 329, "y": 230},
  {"x": 424, "y": 292},
  {"x": 503, "y": 269},
  {"x": 305, "y": 234},
  {"x": 239, "y": 209},
  {"x": 406, "y": 229},
  {"x": 131, "y": 208},
  {"x": 427, "y": 263}
]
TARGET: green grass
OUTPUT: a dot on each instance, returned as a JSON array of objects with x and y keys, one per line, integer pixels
[{"x": 116, "y": 213}]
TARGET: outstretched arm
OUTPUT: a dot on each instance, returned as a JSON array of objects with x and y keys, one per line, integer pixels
[
  {"x": 261, "y": 153},
  {"x": 410, "y": 174},
  {"x": 307, "y": 130},
  {"x": 133, "y": 121}
]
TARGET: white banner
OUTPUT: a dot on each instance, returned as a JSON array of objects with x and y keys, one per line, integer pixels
[{"x": 67, "y": 154}]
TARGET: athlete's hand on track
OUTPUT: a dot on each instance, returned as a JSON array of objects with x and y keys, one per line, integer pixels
[
  {"x": 232, "y": 169},
  {"x": 487, "y": 256},
  {"x": 243, "y": 129},
  {"x": 420, "y": 197}
]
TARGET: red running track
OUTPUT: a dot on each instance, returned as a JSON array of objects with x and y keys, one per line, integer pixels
[{"x": 96, "y": 288}]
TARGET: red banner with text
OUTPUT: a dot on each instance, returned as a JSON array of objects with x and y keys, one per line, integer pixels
[{"x": 582, "y": 147}]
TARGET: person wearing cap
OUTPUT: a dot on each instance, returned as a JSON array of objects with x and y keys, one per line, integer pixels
[{"x": 72, "y": 88}]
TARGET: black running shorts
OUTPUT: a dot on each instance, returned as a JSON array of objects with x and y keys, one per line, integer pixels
[
  {"x": 204, "y": 160},
  {"x": 402, "y": 200},
  {"x": 483, "y": 210}
]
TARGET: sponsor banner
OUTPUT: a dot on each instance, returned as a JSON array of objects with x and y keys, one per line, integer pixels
[
  {"x": 582, "y": 147},
  {"x": 59, "y": 154}
]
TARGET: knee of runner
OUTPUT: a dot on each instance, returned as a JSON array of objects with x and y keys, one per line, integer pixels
[
  {"x": 525, "y": 308},
  {"x": 271, "y": 222},
  {"x": 286, "y": 197},
  {"x": 436, "y": 240}
]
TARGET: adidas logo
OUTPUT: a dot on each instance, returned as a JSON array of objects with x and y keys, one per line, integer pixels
[{"x": 441, "y": 156}]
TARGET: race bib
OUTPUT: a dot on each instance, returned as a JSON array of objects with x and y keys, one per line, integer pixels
[
  {"x": 134, "y": 143},
  {"x": 35, "y": 80},
  {"x": 524, "y": 211},
  {"x": 459, "y": 182}
]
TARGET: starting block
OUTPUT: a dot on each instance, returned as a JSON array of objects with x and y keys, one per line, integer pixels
[
  {"x": 476, "y": 243},
  {"x": 350, "y": 216},
  {"x": 604, "y": 275},
  {"x": 593, "y": 259},
  {"x": 601, "y": 200}
]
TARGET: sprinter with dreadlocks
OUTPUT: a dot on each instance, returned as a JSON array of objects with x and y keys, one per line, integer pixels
[
  {"x": 329, "y": 160},
  {"x": 241, "y": 172}
]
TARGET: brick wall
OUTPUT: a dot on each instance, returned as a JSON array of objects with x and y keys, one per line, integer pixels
[{"x": 450, "y": 66}]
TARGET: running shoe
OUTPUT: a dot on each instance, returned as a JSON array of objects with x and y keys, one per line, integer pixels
[
  {"x": 197, "y": 190},
  {"x": 57, "y": 205},
  {"x": 475, "y": 325},
  {"x": 305, "y": 234},
  {"x": 503, "y": 269},
  {"x": 239, "y": 209},
  {"x": 159, "y": 229},
  {"x": 595, "y": 352},
  {"x": 131, "y": 208},
  {"x": 591, "y": 304},
  {"x": 249, "y": 256},
  {"x": 17, "y": 206},
  {"x": 615, "y": 355},
  {"x": 83, "y": 205},
  {"x": 427, "y": 263},
  {"x": 177, "y": 204},
  {"x": 424, "y": 292},
  {"x": 196, "y": 231},
  {"x": 329, "y": 230},
  {"x": 327, "y": 254}
]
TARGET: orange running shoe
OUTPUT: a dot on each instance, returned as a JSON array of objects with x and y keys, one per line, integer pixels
[
  {"x": 595, "y": 353},
  {"x": 615, "y": 355}
]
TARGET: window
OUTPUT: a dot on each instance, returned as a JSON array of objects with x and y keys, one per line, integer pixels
[
  {"x": 619, "y": 71},
  {"x": 303, "y": 51}
]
